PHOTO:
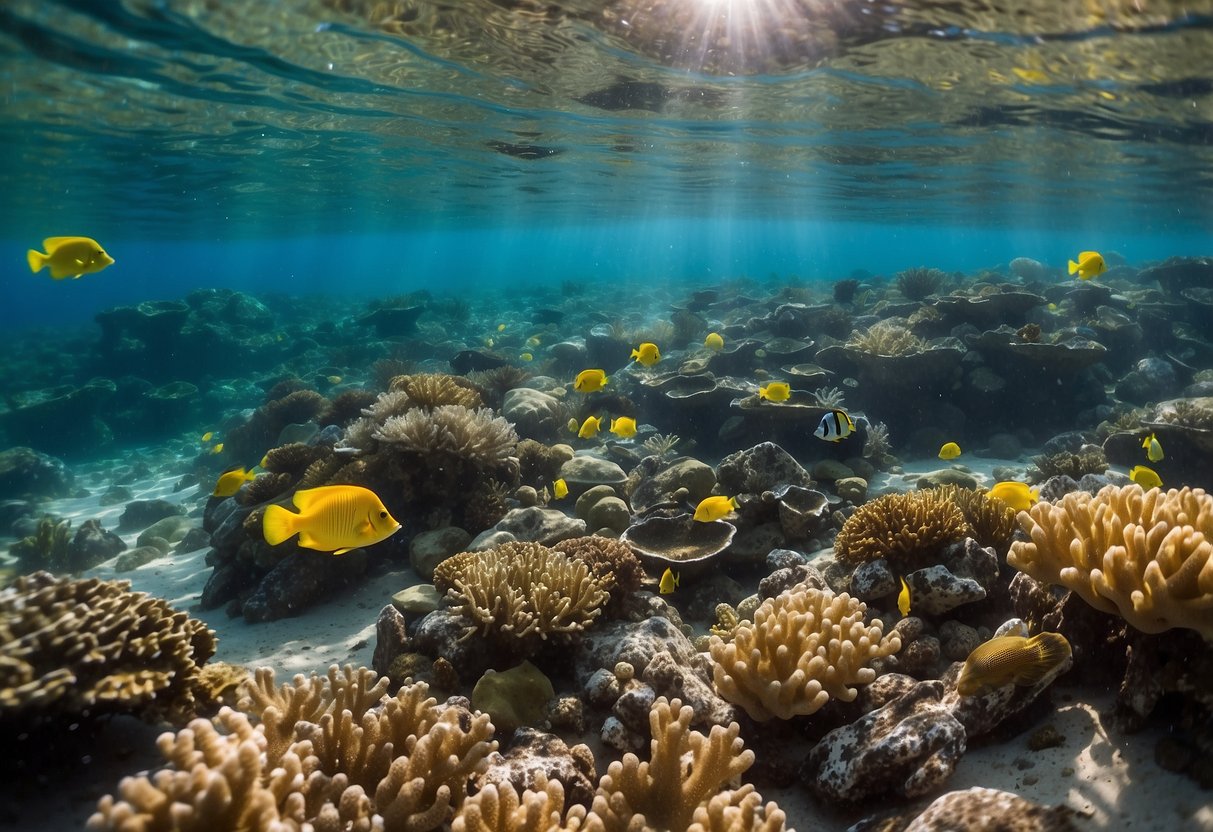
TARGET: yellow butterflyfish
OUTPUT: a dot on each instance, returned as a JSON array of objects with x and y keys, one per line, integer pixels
[
  {"x": 589, "y": 381},
  {"x": 776, "y": 391},
  {"x": 950, "y": 450},
  {"x": 647, "y": 354},
  {"x": 624, "y": 427},
  {"x": 1090, "y": 264},
  {"x": 713, "y": 508},
  {"x": 669, "y": 581},
  {"x": 903, "y": 599},
  {"x": 331, "y": 518},
  {"x": 69, "y": 257},
  {"x": 714, "y": 342},
  {"x": 1147, "y": 478},
  {"x": 1015, "y": 494},
  {"x": 589, "y": 428},
  {"x": 1153, "y": 448},
  {"x": 229, "y": 481},
  {"x": 560, "y": 489}
]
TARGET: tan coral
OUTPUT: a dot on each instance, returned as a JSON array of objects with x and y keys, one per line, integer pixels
[
  {"x": 477, "y": 435},
  {"x": 435, "y": 389},
  {"x": 523, "y": 592},
  {"x": 1145, "y": 555},
  {"x": 907, "y": 529},
  {"x": 803, "y": 647},
  {"x": 93, "y": 646},
  {"x": 888, "y": 337}
]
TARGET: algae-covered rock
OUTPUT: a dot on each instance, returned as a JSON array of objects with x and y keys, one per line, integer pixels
[
  {"x": 513, "y": 697},
  {"x": 430, "y": 548},
  {"x": 417, "y": 600},
  {"x": 535, "y": 414},
  {"x": 172, "y": 529},
  {"x": 134, "y": 558}
]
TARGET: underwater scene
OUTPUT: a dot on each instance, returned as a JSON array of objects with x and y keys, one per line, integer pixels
[{"x": 606, "y": 415}]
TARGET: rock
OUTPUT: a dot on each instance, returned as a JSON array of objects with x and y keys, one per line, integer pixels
[
  {"x": 616, "y": 735},
  {"x": 636, "y": 643},
  {"x": 852, "y": 489},
  {"x": 969, "y": 559},
  {"x": 982, "y": 808},
  {"x": 761, "y": 468},
  {"x": 513, "y": 698},
  {"x": 696, "y": 477},
  {"x": 114, "y": 495},
  {"x": 142, "y": 513},
  {"x": 830, "y": 470},
  {"x": 585, "y": 471},
  {"x": 93, "y": 544},
  {"x": 907, "y": 747},
  {"x": 158, "y": 543},
  {"x": 934, "y": 590},
  {"x": 417, "y": 600},
  {"x": 789, "y": 576},
  {"x": 440, "y": 634},
  {"x": 1028, "y": 270},
  {"x": 1004, "y": 446},
  {"x": 947, "y": 476},
  {"x": 957, "y": 640},
  {"x": 803, "y": 512},
  {"x": 535, "y": 414},
  {"x": 873, "y": 579},
  {"x": 531, "y": 751},
  {"x": 784, "y": 559},
  {"x": 680, "y": 543},
  {"x": 538, "y": 525},
  {"x": 668, "y": 678},
  {"x": 1152, "y": 380},
  {"x": 29, "y": 474},
  {"x": 753, "y": 544},
  {"x": 981, "y": 714},
  {"x": 134, "y": 558},
  {"x": 391, "y": 639},
  {"x": 591, "y": 496},
  {"x": 609, "y": 513},
  {"x": 298, "y": 581},
  {"x": 430, "y": 548},
  {"x": 633, "y": 706},
  {"x": 172, "y": 529}
]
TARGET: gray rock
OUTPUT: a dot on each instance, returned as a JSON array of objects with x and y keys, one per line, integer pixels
[
  {"x": 831, "y": 470},
  {"x": 535, "y": 414},
  {"x": 490, "y": 539},
  {"x": 784, "y": 579},
  {"x": 633, "y": 706},
  {"x": 784, "y": 559},
  {"x": 531, "y": 751},
  {"x": 969, "y": 559},
  {"x": 591, "y": 496},
  {"x": 142, "y": 513},
  {"x": 934, "y": 590},
  {"x": 93, "y": 544},
  {"x": 609, "y": 513},
  {"x": 957, "y": 640},
  {"x": 947, "y": 476},
  {"x": 172, "y": 528},
  {"x": 873, "y": 579},
  {"x": 852, "y": 489},
  {"x": 908, "y": 747},
  {"x": 690, "y": 684},
  {"x": 616, "y": 735},
  {"x": 195, "y": 538},
  {"x": 636, "y": 643},
  {"x": 752, "y": 545},
  {"x": 1152, "y": 380},
  {"x": 26, "y": 473},
  {"x": 585, "y": 471},
  {"x": 391, "y": 639},
  {"x": 763, "y": 467},
  {"x": 440, "y": 634},
  {"x": 430, "y": 548},
  {"x": 417, "y": 600},
  {"x": 134, "y": 558},
  {"x": 982, "y": 808},
  {"x": 538, "y": 525}
]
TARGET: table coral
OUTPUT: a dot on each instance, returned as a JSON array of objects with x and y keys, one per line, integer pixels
[
  {"x": 909, "y": 530},
  {"x": 328, "y": 753},
  {"x": 803, "y": 647},
  {"x": 1145, "y": 555},
  {"x": 91, "y": 646}
]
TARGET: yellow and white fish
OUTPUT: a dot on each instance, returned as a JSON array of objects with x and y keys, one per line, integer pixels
[
  {"x": 331, "y": 518},
  {"x": 835, "y": 426},
  {"x": 669, "y": 581},
  {"x": 69, "y": 257},
  {"x": 1153, "y": 448}
]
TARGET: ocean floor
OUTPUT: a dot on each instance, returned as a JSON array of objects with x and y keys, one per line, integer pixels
[{"x": 1109, "y": 779}]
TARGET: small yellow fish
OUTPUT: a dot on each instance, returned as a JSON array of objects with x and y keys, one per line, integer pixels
[
  {"x": 264, "y": 458},
  {"x": 488, "y": 343},
  {"x": 217, "y": 449},
  {"x": 1153, "y": 448},
  {"x": 208, "y": 436},
  {"x": 1089, "y": 265},
  {"x": 501, "y": 327},
  {"x": 1011, "y": 659},
  {"x": 533, "y": 341},
  {"x": 1147, "y": 478},
  {"x": 776, "y": 391},
  {"x": 647, "y": 354},
  {"x": 526, "y": 356},
  {"x": 590, "y": 427},
  {"x": 331, "y": 518},
  {"x": 713, "y": 508},
  {"x": 624, "y": 427},
  {"x": 1015, "y": 494},
  {"x": 333, "y": 379},
  {"x": 560, "y": 488},
  {"x": 669, "y": 581},
  {"x": 230, "y": 481},
  {"x": 714, "y": 342},
  {"x": 1052, "y": 307},
  {"x": 589, "y": 381},
  {"x": 903, "y": 599},
  {"x": 950, "y": 450},
  {"x": 69, "y": 257}
]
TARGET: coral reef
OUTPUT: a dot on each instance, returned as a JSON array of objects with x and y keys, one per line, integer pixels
[
  {"x": 1073, "y": 464},
  {"x": 612, "y": 562},
  {"x": 661, "y": 445},
  {"x": 888, "y": 337},
  {"x": 46, "y": 548},
  {"x": 991, "y": 522},
  {"x": 919, "y": 282},
  {"x": 804, "y": 647},
  {"x": 76, "y": 647},
  {"x": 432, "y": 390},
  {"x": 907, "y": 529},
  {"x": 327, "y": 753},
  {"x": 475, "y": 435},
  {"x": 260, "y": 433},
  {"x": 1144, "y": 555}
]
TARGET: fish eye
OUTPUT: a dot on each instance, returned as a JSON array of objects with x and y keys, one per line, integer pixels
[{"x": 383, "y": 515}]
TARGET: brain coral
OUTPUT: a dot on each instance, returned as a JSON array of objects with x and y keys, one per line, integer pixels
[
  {"x": 1145, "y": 555},
  {"x": 804, "y": 646},
  {"x": 906, "y": 529},
  {"x": 72, "y": 647}
]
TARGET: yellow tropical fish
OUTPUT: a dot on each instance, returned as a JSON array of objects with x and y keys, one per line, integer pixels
[
  {"x": 669, "y": 581},
  {"x": 208, "y": 436},
  {"x": 572, "y": 425},
  {"x": 69, "y": 257},
  {"x": 230, "y": 481},
  {"x": 835, "y": 426},
  {"x": 714, "y": 342},
  {"x": 526, "y": 356},
  {"x": 590, "y": 427},
  {"x": 589, "y": 381},
  {"x": 624, "y": 427},
  {"x": 903, "y": 599},
  {"x": 1147, "y": 478},
  {"x": 647, "y": 354},
  {"x": 331, "y": 518},
  {"x": 1153, "y": 448},
  {"x": 560, "y": 488},
  {"x": 950, "y": 450},
  {"x": 533, "y": 341},
  {"x": 1011, "y": 659},
  {"x": 1015, "y": 494},
  {"x": 713, "y": 508},
  {"x": 1089, "y": 265},
  {"x": 333, "y": 379},
  {"x": 776, "y": 391},
  {"x": 501, "y": 327},
  {"x": 217, "y": 448}
]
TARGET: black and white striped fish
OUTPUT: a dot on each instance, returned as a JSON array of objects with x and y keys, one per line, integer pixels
[{"x": 835, "y": 426}]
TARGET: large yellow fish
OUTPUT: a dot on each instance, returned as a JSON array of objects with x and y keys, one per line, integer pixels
[
  {"x": 1153, "y": 448},
  {"x": 1090, "y": 264},
  {"x": 713, "y": 508},
  {"x": 69, "y": 257},
  {"x": 1015, "y": 494},
  {"x": 229, "y": 481},
  {"x": 624, "y": 427},
  {"x": 669, "y": 581},
  {"x": 331, "y": 518},
  {"x": 647, "y": 354},
  {"x": 950, "y": 450},
  {"x": 590, "y": 427},
  {"x": 1011, "y": 659},
  {"x": 589, "y": 381},
  {"x": 714, "y": 342},
  {"x": 776, "y": 391},
  {"x": 1147, "y": 478}
]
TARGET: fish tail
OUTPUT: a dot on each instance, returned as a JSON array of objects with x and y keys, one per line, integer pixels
[
  {"x": 1051, "y": 649},
  {"x": 1073, "y": 267},
  {"x": 36, "y": 259},
  {"x": 278, "y": 525}
]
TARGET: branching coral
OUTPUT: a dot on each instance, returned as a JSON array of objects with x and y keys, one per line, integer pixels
[
  {"x": 804, "y": 646},
  {"x": 1145, "y": 555},
  {"x": 917, "y": 283},
  {"x": 887, "y": 337},
  {"x": 879, "y": 443},
  {"x": 347, "y": 406},
  {"x": 661, "y": 445},
  {"x": 523, "y": 593},
  {"x": 906, "y": 529},
  {"x": 475, "y": 435},
  {"x": 832, "y": 397},
  {"x": 93, "y": 646},
  {"x": 1189, "y": 413},
  {"x": 612, "y": 562},
  {"x": 991, "y": 522},
  {"x": 47, "y": 547},
  {"x": 1088, "y": 460},
  {"x": 437, "y": 389},
  {"x": 328, "y": 754}
]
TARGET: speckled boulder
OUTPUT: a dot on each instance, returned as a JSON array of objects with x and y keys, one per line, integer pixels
[
  {"x": 673, "y": 680},
  {"x": 535, "y": 414},
  {"x": 763, "y": 467},
  {"x": 982, "y": 808},
  {"x": 93, "y": 544},
  {"x": 634, "y": 642},
  {"x": 532, "y": 751},
  {"x": 969, "y": 559},
  {"x": 533, "y": 524},
  {"x": 934, "y": 590},
  {"x": 654, "y": 484},
  {"x": 908, "y": 748},
  {"x": 872, "y": 580},
  {"x": 300, "y": 581},
  {"x": 440, "y": 634}
]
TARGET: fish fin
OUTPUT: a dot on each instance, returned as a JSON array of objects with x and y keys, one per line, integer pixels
[
  {"x": 56, "y": 241},
  {"x": 343, "y": 551},
  {"x": 37, "y": 260},
  {"x": 306, "y": 497},
  {"x": 1083, "y": 255},
  {"x": 278, "y": 525},
  {"x": 1073, "y": 266}
]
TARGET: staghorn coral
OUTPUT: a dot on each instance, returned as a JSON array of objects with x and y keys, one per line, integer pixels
[
  {"x": 907, "y": 529},
  {"x": 1145, "y": 555},
  {"x": 879, "y": 444},
  {"x": 77, "y": 647},
  {"x": 328, "y": 754},
  {"x": 522, "y": 593},
  {"x": 612, "y": 562},
  {"x": 661, "y": 445},
  {"x": 804, "y": 646},
  {"x": 1189, "y": 413},
  {"x": 1088, "y": 460},
  {"x": 432, "y": 390},
  {"x": 991, "y": 522},
  {"x": 475, "y": 435},
  {"x": 919, "y": 282},
  {"x": 263, "y": 488},
  {"x": 888, "y": 337}
]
